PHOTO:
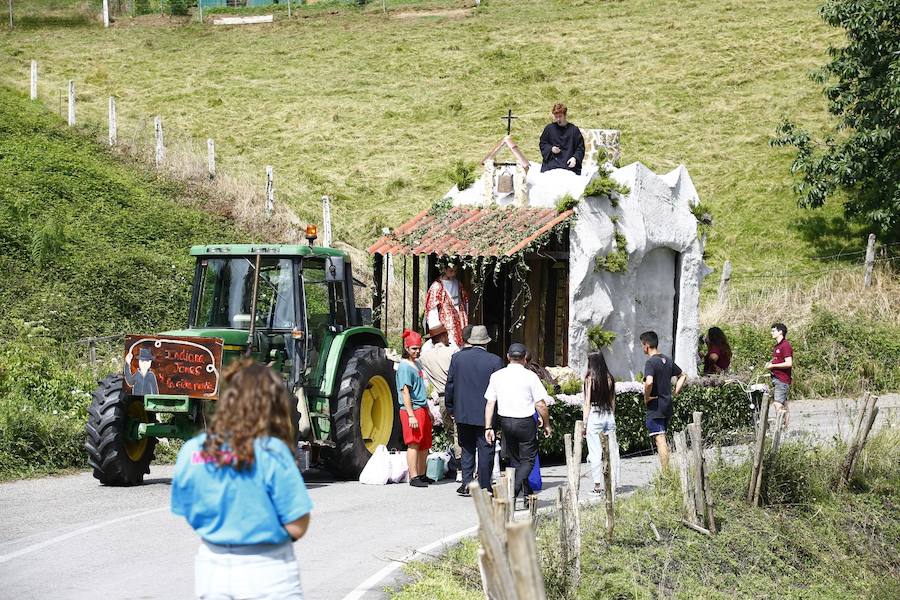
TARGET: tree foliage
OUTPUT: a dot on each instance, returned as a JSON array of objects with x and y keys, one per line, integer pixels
[{"x": 861, "y": 158}]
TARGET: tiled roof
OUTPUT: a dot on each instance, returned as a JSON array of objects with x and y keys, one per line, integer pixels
[{"x": 470, "y": 231}]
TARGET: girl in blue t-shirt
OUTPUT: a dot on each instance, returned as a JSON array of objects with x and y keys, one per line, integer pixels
[{"x": 238, "y": 487}]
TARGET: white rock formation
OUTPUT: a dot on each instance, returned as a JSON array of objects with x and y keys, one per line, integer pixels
[{"x": 660, "y": 290}]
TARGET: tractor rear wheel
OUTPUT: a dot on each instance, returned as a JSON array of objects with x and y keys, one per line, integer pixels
[
  {"x": 365, "y": 412},
  {"x": 117, "y": 459}
]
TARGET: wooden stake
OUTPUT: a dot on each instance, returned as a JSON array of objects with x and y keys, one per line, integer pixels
[
  {"x": 562, "y": 506},
  {"x": 211, "y": 158},
  {"x": 576, "y": 455},
  {"x": 511, "y": 489},
  {"x": 34, "y": 80},
  {"x": 697, "y": 528},
  {"x": 71, "y": 115},
  {"x": 495, "y": 559},
  {"x": 653, "y": 527},
  {"x": 105, "y": 14},
  {"x": 113, "y": 125},
  {"x": 687, "y": 492},
  {"x": 500, "y": 508},
  {"x": 523, "y": 561},
  {"x": 756, "y": 472},
  {"x": 776, "y": 432},
  {"x": 532, "y": 509},
  {"x": 10, "y": 15},
  {"x": 160, "y": 146},
  {"x": 697, "y": 470},
  {"x": 270, "y": 191},
  {"x": 870, "y": 261},
  {"x": 607, "y": 486},
  {"x": 723, "y": 282},
  {"x": 290, "y": 2},
  {"x": 849, "y": 464}
]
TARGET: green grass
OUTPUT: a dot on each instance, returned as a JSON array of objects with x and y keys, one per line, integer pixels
[
  {"x": 89, "y": 245},
  {"x": 807, "y": 543},
  {"x": 375, "y": 111}
]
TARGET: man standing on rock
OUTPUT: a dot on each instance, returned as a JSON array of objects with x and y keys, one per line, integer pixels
[
  {"x": 658, "y": 373},
  {"x": 780, "y": 367},
  {"x": 562, "y": 145},
  {"x": 467, "y": 381},
  {"x": 517, "y": 393}
]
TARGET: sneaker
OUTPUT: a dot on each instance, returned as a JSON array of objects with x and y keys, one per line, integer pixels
[
  {"x": 428, "y": 480},
  {"x": 417, "y": 482},
  {"x": 463, "y": 490}
]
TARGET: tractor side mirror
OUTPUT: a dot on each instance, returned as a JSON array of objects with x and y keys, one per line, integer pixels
[{"x": 334, "y": 269}]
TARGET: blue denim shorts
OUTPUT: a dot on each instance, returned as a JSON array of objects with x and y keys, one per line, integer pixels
[{"x": 656, "y": 426}]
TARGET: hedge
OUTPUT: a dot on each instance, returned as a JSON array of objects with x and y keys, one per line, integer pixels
[{"x": 725, "y": 406}]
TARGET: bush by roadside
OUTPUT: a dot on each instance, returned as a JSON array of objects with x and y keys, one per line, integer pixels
[
  {"x": 835, "y": 355},
  {"x": 726, "y": 412}
]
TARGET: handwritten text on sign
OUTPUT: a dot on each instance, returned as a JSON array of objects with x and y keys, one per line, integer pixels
[{"x": 173, "y": 365}]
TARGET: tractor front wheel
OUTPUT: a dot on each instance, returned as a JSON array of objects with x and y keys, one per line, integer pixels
[
  {"x": 365, "y": 412},
  {"x": 117, "y": 458}
]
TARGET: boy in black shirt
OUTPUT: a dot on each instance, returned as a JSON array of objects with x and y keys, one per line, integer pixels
[{"x": 658, "y": 373}]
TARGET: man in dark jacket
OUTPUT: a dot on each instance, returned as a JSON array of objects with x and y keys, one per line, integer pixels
[{"x": 467, "y": 380}]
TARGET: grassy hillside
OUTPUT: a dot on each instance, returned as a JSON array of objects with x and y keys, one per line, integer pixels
[
  {"x": 374, "y": 110},
  {"x": 89, "y": 245}
]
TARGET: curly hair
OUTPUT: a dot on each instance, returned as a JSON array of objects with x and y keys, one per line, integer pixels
[
  {"x": 255, "y": 403},
  {"x": 559, "y": 107}
]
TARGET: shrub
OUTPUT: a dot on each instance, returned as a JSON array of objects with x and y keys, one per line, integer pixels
[
  {"x": 617, "y": 260},
  {"x": 43, "y": 404},
  {"x": 726, "y": 414},
  {"x": 604, "y": 185},
  {"x": 462, "y": 174},
  {"x": 565, "y": 203},
  {"x": 835, "y": 355},
  {"x": 600, "y": 338},
  {"x": 141, "y": 7},
  {"x": 179, "y": 7}
]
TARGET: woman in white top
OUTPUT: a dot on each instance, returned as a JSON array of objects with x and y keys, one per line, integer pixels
[{"x": 599, "y": 416}]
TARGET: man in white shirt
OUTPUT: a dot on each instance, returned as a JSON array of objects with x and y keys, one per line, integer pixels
[{"x": 517, "y": 393}]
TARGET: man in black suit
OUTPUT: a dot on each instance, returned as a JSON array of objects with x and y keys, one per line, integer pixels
[{"x": 467, "y": 380}]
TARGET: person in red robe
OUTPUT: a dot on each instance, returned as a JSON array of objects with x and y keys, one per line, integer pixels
[{"x": 447, "y": 304}]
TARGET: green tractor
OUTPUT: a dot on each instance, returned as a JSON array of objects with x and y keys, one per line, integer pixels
[{"x": 291, "y": 306}]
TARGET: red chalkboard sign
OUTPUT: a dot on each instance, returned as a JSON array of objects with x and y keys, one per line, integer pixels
[{"x": 180, "y": 366}]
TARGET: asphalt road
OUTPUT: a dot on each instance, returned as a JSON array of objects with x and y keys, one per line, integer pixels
[{"x": 69, "y": 537}]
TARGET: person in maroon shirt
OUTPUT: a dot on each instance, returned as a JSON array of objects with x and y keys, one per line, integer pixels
[
  {"x": 718, "y": 353},
  {"x": 780, "y": 367}
]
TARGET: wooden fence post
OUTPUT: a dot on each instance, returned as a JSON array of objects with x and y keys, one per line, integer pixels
[
  {"x": 326, "y": 226},
  {"x": 105, "y": 14},
  {"x": 34, "y": 80},
  {"x": 607, "y": 486},
  {"x": 92, "y": 355},
  {"x": 10, "y": 15},
  {"x": 494, "y": 564},
  {"x": 113, "y": 124},
  {"x": 71, "y": 119},
  {"x": 160, "y": 146},
  {"x": 270, "y": 191},
  {"x": 290, "y": 2},
  {"x": 687, "y": 491},
  {"x": 864, "y": 423},
  {"x": 870, "y": 261},
  {"x": 211, "y": 158},
  {"x": 707, "y": 503},
  {"x": 523, "y": 562},
  {"x": 757, "y": 470},
  {"x": 723, "y": 282}
]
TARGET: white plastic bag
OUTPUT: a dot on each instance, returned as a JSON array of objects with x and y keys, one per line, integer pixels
[
  {"x": 378, "y": 470},
  {"x": 399, "y": 467}
]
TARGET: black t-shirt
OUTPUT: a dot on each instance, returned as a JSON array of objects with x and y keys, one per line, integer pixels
[{"x": 662, "y": 369}]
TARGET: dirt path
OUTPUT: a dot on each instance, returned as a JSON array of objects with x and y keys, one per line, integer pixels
[{"x": 68, "y": 537}]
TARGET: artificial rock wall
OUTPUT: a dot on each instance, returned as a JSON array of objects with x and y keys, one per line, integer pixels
[{"x": 660, "y": 290}]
